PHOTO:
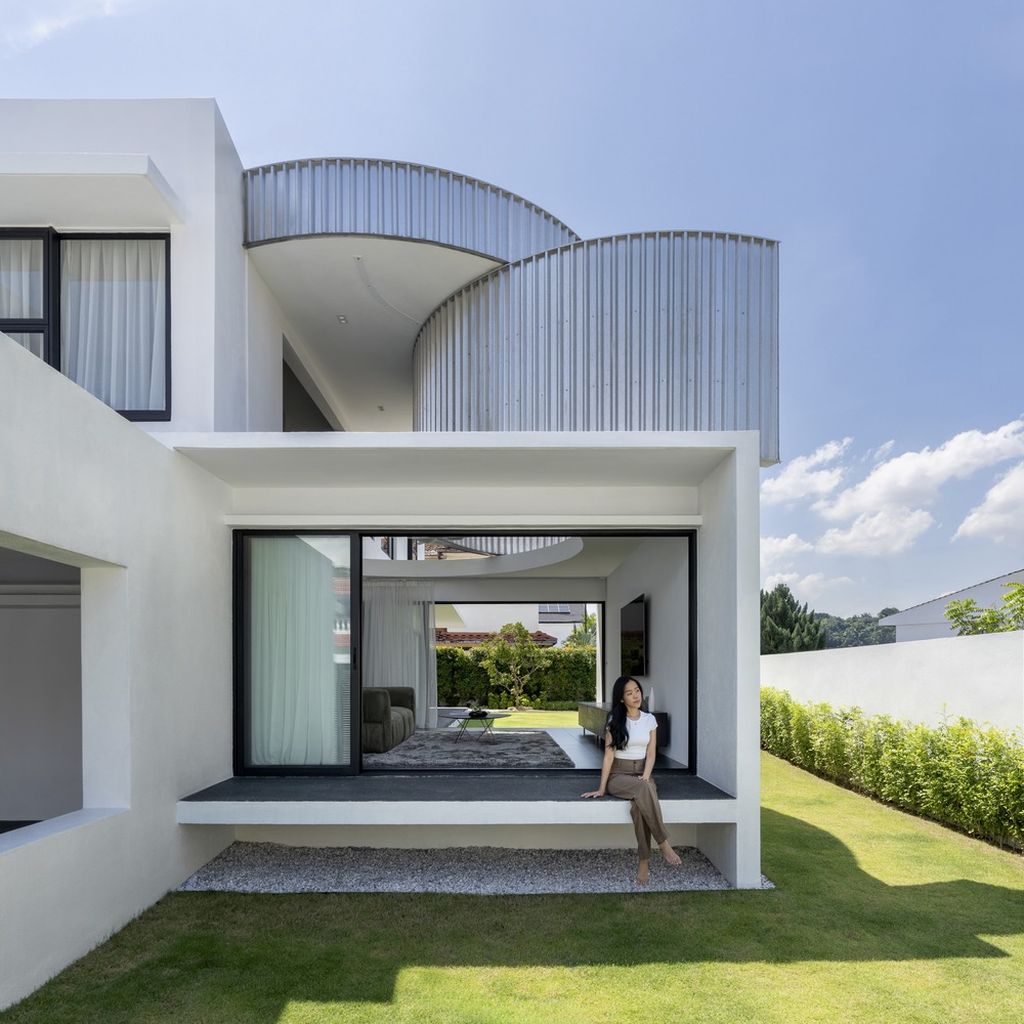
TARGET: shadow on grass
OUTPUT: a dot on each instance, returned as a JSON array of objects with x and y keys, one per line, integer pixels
[{"x": 226, "y": 957}]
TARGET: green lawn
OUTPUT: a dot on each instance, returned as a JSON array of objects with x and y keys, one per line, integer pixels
[
  {"x": 877, "y": 917},
  {"x": 538, "y": 720}
]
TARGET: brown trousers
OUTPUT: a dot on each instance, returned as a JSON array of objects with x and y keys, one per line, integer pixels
[{"x": 626, "y": 783}]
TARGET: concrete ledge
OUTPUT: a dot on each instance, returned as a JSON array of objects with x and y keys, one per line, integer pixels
[
  {"x": 527, "y": 812},
  {"x": 20, "y": 837}
]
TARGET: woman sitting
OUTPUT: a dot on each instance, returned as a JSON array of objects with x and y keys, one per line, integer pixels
[{"x": 630, "y": 747}]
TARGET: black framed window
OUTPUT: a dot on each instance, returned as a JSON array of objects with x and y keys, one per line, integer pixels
[
  {"x": 298, "y": 696},
  {"x": 296, "y": 652},
  {"x": 97, "y": 308}
]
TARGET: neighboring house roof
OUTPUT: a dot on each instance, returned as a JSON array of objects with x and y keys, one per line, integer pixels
[
  {"x": 561, "y": 612},
  {"x": 472, "y": 639},
  {"x": 937, "y": 605}
]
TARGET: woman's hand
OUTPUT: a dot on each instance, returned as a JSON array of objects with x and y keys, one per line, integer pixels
[
  {"x": 592, "y": 793},
  {"x": 646, "y": 777}
]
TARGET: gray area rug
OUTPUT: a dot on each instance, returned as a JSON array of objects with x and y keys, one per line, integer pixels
[
  {"x": 485, "y": 870},
  {"x": 502, "y": 748}
]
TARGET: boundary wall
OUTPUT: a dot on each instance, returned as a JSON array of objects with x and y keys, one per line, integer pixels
[{"x": 926, "y": 681}]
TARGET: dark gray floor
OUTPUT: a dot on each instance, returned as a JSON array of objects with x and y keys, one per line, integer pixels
[{"x": 455, "y": 786}]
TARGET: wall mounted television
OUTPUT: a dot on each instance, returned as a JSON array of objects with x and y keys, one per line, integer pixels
[{"x": 633, "y": 637}]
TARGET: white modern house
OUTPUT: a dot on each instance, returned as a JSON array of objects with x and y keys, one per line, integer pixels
[
  {"x": 927, "y": 620},
  {"x": 221, "y": 387}
]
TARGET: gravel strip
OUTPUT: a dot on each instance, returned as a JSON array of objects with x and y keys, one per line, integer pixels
[{"x": 477, "y": 870}]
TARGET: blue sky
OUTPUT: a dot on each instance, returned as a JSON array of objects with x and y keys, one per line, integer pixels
[{"x": 881, "y": 143}]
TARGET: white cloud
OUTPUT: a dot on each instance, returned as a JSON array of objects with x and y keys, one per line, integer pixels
[
  {"x": 778, "y": 549},
  {"x": 913, "y": 479},
  {"x": 809, "y": 588},
  {"x": 885, "y": 532},
  {"x": 1000, "y": 516},
  {"x": 29, "y": 25},
  {"x": 882, "y": 451},
  {"x": 801, "y": 479}
]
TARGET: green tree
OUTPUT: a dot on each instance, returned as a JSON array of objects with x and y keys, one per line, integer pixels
[
  {"x": 860, "y": 630},
  {"x": 511, "y": 658},
  {"x": 968, "y": 618},
  {"x": 786, "y": 625},
  {"x": 584, "y": 634}
]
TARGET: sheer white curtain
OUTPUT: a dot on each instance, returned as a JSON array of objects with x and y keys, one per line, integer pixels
[
  {"x": 113, "y": 303},
  {"x": 21, "y": 278},
  {"x": 292, "y": 677},
  {"x": 33, "y": 342},
  {"x": 398, "y": 634}
]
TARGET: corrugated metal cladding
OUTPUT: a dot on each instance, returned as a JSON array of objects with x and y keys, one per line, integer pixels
[
  {"x": 387, "y": 197},
  {"x": 660, "y": 331},
  {"x": 505, "y": 545}
]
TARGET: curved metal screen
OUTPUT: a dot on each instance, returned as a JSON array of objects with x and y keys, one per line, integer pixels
[
  {"x": 659, "y": 331},
  {"x": 395, "y": 199}
]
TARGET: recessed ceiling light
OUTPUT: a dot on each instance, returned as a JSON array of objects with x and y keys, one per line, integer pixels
[{"x": 342, "y": 319}]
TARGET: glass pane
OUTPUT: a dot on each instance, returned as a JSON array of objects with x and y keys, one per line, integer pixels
[
  {"x": 33, "y": 341},
  {"x": 113, "y": 304},
  {"x": 21, "y": 278},
  {"x": 300, "y": 632}
]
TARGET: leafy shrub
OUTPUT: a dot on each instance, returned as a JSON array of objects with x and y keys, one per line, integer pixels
[
  {"x": 567, "y": 678},
  {"x": 460, "y": 679},
  {"x": 960, "y": 774}
]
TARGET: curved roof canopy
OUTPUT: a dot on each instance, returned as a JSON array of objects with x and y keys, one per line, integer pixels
[{"x": 358, "y": 252}]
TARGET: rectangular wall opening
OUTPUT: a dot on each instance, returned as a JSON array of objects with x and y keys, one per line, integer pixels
[
  {"x": 419, "y": 674},
  {"x": 40, "y": 689}
]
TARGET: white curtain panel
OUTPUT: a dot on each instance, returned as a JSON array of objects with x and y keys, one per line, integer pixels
[
  {"x": 21, "y": 278},
  {"x": 113, "y": 300},
  {"x": 398, "y": 634},
  {"x": 33, "y": 342},
  {"x": 293, "y": 680}
]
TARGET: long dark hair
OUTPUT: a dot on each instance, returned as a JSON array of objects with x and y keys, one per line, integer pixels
[{"x": 617, "y": 716}]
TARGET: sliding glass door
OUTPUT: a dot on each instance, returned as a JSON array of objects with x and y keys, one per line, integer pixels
[{"x": 297, "y": 653}]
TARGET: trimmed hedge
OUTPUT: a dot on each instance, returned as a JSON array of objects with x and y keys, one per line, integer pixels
[
  {"x": 569, "y": 677},
  {"x": 958, "y": 774}
]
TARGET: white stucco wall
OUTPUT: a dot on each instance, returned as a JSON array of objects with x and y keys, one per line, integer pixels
[
  {"x": 728, "y": 638},
  {"x": 659, "y": 569},
  {"x": 977, "y": 677},
  {"x": 83, "y": 486},
  {"x": 40, "y": 708},
  {"x": 231, "y": 358}
]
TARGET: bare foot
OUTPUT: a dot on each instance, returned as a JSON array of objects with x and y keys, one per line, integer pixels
[
  {"x": 643, "y": 872},
  {"x": 670, "y": 855}
]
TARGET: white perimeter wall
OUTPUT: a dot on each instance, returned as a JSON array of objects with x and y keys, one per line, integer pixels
[
  {"x": 977, "y": 677},
  {"x": 84, "y": 487},
  {"x": 658, "y": 568},
  {"x": 40, "y": 709}
]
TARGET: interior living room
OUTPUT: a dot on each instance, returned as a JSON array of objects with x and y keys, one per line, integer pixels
[{"x": 343, "y": 667}]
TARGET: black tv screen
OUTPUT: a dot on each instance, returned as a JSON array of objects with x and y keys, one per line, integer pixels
[{"x": 633, "y": 637}]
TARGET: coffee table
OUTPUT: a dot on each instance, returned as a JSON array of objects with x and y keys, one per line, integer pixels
[{"x": 464, "y": 718}]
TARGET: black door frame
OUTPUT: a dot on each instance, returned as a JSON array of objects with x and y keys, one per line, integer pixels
[{"x": 240, "y": 632}]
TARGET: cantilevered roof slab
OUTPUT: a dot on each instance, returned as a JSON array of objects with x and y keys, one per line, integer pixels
[{"x": 82, "y": 191}]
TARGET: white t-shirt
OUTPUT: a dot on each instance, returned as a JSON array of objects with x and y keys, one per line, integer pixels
[{"x": 639, "y": 732}]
